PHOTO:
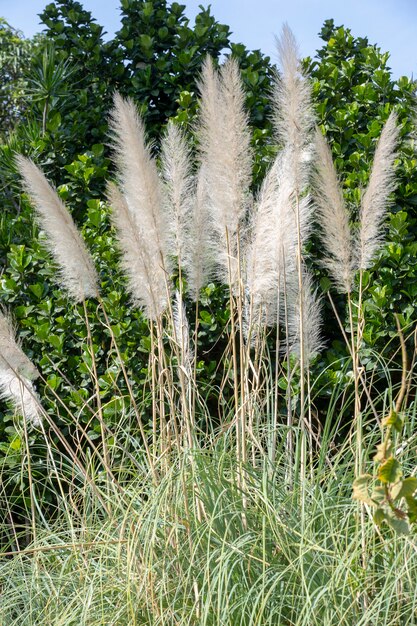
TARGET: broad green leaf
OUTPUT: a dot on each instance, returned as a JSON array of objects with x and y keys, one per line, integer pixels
[
  {"x": 384, "y": 450},
  {"x": 378, "y": 494},
  {"x": 97, "y": 149},
  {"x": 412, "y": 508},
  {"x": 390, "y": 471},
  {"x": 379, "y": 516},
  {"x": 54, "y": 122},
  {"x": 16, "y": 443},
  {"x": 37, "y": 289},
  {"x": 400, "y": 526},
  {"x": 395, "y": 420},
  {"x": 408, "y": 487}
]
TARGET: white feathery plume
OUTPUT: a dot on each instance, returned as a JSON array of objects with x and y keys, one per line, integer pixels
[
  {"x": 138, "y": 178},
  {"x": 182, "y": 334},
  {"x": 334, "y": 217},
  {"x": 293, "y": 112},
  {"x": 77, "y": 272},
  {"x": 303, "y": 316},
  {"x": 375, "y": 200},
  {"x": 284, "y": 216},
  {"x": 22, "y": 394},
  {"x": 226, "y": 157},
  {"x": 177, "y": 175},
  {"x": 142, "y": 265},
  {"x": 284, "y": 212},
  {"x": 16, "y": 374},
  {"x": 294, "y": 121},
  {"x": 272, "y": 254},
  {"x": 198, "y": 259},
  {"x": 260, "y": 274}
]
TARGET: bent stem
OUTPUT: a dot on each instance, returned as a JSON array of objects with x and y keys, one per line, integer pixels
[
  {"x": 302, "y": 345},
  {"x": 356, "y": 340},
  {"x": 94, "y": 375},
  {"x": 130, "y": 391}
]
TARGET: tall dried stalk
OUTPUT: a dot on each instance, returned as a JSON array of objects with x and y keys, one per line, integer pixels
[
  {"x": 226, "y": 162},
  {"x": 283, "y": 214},
  {"x": 143, "y": 233},
  {"x": 346, "y": 253}
]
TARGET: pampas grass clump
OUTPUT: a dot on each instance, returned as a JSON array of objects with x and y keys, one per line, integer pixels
[{"x": 180, "y": 513}]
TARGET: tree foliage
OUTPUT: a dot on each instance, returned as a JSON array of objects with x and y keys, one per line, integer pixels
[{"x": 15, "y": 52}]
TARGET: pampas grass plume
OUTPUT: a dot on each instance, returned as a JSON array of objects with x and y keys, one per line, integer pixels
[
  {"x": 16, "y": 374},
  {"x": 177, "y": 175},
  {"x": 333, "y": 218},
  {"x": 272, "y": 253},
  {"x": 198, "y": 256},
  {"x": 375, "y": 200},
  {"x": 304, "y": 315},
  {"x": 138, "y": 175},
  {"x": 293, "y": 117},
  {"x": 77, "y": 272},
  {"x": 142, "y": 266},
  {"x": 142, "y": 227},
  {"x": 182, "y": 334},
  {"x": 226, "y": 160}
]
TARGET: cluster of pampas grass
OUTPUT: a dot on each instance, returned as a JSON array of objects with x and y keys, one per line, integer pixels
[
  {"x": 249, "y": 490},
  {"x": 200, "y": 214},
  {"x": 350, "y": 250},
  {"x": 278, "y": 280}
]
